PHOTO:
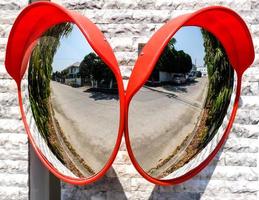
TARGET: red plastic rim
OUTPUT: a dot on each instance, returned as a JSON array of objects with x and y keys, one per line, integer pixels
[{"x": 24, "y": 36}]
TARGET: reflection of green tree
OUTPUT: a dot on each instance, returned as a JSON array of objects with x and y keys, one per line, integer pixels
[
  {"x": 93, "y": 68},
  {"x": 174, "y": 61},
  {"x": 40, "y": 69},
  {"x": 220, "y": 74}
]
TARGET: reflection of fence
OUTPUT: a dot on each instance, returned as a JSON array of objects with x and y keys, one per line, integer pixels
[
  {"x": 160, "y": 77},
  {"x": 104, "y": 83},
  {"x": 73, "y": 81}
]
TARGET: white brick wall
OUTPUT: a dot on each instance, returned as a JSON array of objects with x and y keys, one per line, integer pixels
[
  {"x": 13, "y": 140},
  {"x": 234, "y": 172}
]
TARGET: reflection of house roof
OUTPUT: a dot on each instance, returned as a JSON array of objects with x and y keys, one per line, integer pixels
[{"x": 74, "y": 65}]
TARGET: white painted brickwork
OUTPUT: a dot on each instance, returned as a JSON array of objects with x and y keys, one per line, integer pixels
[
  {"x": 234, "y": 172},
  {"x": 13, "y": 140}
]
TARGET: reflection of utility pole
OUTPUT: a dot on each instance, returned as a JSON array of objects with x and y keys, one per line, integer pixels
[{"x": 195, "y": 62}]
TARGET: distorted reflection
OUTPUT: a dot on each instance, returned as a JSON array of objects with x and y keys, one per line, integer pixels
[
  {"x": 183, "y": 103},
  {"x": 74, "y": 100}
]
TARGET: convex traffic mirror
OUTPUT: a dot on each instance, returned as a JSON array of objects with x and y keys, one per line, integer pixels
[
  {"x": 73, "y": 102},
  {"x": 181, "y": 106},
  {"x": 175, "y": 114}
]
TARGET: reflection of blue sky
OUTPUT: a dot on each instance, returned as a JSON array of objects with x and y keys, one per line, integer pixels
[
  {"x": 189, "y": 39},
  {"x": 73, "y": 48}
]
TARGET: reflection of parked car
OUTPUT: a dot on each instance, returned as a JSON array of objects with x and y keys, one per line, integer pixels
[
  {"x": 179, "y": 78},
  {"x": 191, "y": 76},
  {"x": 198, "y": 74}
]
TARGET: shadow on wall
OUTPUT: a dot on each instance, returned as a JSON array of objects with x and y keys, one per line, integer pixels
[
  {"x": 110, "y": 188},
  {"x": 189, "y": 190}
]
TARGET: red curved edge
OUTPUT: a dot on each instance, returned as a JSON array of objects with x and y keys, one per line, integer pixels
[
  {"x": 222, "y": 22},
  {"x": 136, "y": 81},
  {"x": 201, "y": 166},
  {"x": 241, "y": 55},
  {"x": 32, "y": 22}
]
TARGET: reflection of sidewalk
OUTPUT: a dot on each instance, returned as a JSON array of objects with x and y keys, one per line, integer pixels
[
  {"x": 77, "y": 164},
  {"x": 176, "y": 96}
]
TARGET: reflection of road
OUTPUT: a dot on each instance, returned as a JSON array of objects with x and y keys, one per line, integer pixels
[
  {"x": 160, "y": 118},
  {"x": 89, "y": 122}
]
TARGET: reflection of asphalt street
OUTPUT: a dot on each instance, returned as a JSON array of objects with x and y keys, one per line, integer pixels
[
  {"x": 187, "y": 93},
  {"x": 89, "y": 122},
  {"x": 159, "y": 120},
  {"x": 161, "y": 117}
]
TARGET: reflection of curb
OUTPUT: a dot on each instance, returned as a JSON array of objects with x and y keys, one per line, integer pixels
[
  {"x": 70, "y": 152},
  {"x": 182, "y": 154},
  {"x": 74, "y": 153},
  {"x": 155, "y": 89},
  {"x": 173, "y": 95}
]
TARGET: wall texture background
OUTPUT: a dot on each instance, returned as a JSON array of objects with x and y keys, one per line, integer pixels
[{"x": 234, "y": 172}]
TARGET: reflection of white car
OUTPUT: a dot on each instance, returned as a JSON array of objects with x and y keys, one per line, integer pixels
[{"x": 179, "y": 78}]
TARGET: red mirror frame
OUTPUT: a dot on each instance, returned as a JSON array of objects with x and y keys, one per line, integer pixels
[{"x": 38, "y": 17}]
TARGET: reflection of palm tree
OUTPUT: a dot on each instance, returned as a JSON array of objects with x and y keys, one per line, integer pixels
[{"x": 40, "y": 69}]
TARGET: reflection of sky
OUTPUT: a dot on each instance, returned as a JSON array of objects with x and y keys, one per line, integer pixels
[
  {"x": 73, "y": 48},
  {"x": 189, "y": 39}
]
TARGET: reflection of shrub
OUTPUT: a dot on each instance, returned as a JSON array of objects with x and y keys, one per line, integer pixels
[
  {"x": 220, "y": 74},
  {"x": 39, "y": 76},
  {"x": 219, "y": 102}
]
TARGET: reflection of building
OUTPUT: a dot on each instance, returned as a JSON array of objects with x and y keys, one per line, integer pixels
[
  {"x": 203, "y": 70},
  {"x": 194, "y": 68},
  {"x": 162, "y": 77},
  {"x": 73, "y": 70},
  {"x": 72, "y": 75}
]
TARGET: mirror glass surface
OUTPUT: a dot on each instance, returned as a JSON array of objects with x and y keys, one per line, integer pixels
[
  {"x": 181, "y": 107},
  {"x": 72, "y": 102}
]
